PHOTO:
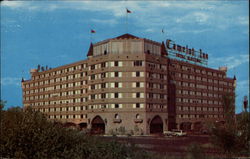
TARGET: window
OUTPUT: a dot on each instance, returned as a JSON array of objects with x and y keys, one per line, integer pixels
[
  {"x": 137, "y": 105},
  {"x": 150, "y": 85},
  {"x": 161, "y": 86},
  {"x": 116, "y": 74},
  {"x": 116, "y": 63},
  {"x": 137, "y": 63},
  {"x": 201, "y": 116},
  {"x": 103, "y": 85},
  {"x": 103, "y": 95},
  {"x": 138, "y": 95},
  {"x": 150, "y": 74},
  {"x": 161, "y": 76},
  {"x": 116, "y": 105},
  {"x": 92, "y": 77},
  {"x": 162, "y": 96},
  {"x": 137, "y": 84},
  {"x": 116, "y": 95},
  {"x": 117, "y": 116},
  {"x": 103, "y": 75},
  {"x": 103, "y": 64},
  {"x": 137, "y": 116},
  {"x": 116, "y": 84},
  {"x": 92, "y": 67},
  {"x": 137, "y": 74}
]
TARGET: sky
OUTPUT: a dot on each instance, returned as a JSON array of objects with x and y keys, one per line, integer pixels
[{"x": 56, "y": 33}]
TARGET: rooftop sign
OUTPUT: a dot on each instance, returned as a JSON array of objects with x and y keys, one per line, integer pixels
[{"x": 186, "y": 54}]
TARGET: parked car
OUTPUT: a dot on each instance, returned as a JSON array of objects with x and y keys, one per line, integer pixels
[
  {"x": 168, "y": 133},
  {"x": 179, "y": 133},
  {"x": 175, "y": 132}
]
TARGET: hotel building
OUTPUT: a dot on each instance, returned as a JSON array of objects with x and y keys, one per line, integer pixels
[{"x": 131, "y": 85}]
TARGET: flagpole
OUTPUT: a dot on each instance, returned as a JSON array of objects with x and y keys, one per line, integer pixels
[
  {"x": 162, "y": 31},
  {"x": 126, "y": 21},
  {"x": 91, "y": 37}
]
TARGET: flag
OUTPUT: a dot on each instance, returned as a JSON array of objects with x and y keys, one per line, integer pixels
[
  {"x": 92, "y": 31},
  {"x": 128, "y": 11}
]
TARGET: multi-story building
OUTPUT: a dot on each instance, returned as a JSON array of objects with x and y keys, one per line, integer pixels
[
  {"x": 196, "y": 94},
  {"x": 129, "y": 85}
]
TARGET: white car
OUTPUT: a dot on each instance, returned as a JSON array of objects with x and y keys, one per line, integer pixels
[
  {"x": 168, "y": 133},
  {"x": 175, "y": 132},
  {"x": 179, "y": 133}
]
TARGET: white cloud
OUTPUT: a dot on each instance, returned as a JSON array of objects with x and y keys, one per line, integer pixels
[
  {"x": 12, "y": 4},
  {"x": 217, "y": 14},
  {"x": 230, "y": 61},
  {"x": 201, "y": 17},
  {"x": 150, "y": 30},
  {"x": 243, "y": 20},
  {"x": 10, "y": 81},
  {"x": 194, "y": 17},
  {"x": 161, "y": 4},
  {"x": 191, "y": 5},
  {"x": 105, "y": 21},
  {"x": 193, "y": 31},
  {"x": 21, "y": 5}
]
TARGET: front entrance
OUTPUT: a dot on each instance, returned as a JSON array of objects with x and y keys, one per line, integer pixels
[
  {"x": 156, "y": 125},
  {"x": 97, "y": 126}
]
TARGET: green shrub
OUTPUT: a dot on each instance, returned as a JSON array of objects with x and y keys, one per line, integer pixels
[
  {"x": 28, "y": 134},
  {"x": 195, "y": 152}
]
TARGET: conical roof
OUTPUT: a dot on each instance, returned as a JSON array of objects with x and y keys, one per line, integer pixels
[{"x": 90, "y": 52}]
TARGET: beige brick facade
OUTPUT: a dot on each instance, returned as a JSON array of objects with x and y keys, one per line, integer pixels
[{"x": 128, "y": 86}]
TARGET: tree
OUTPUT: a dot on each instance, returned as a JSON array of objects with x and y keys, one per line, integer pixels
[
  {"x": 232, "y": 136},
  {"x": 28, "y": 134},
  {"x": 2, "y": 104}
]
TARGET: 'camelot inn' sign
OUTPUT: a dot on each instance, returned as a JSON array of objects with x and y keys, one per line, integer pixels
[{"x": 186, "y": 53}]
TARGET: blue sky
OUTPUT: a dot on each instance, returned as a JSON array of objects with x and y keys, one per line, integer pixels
[{"x": 57, "y": 33}]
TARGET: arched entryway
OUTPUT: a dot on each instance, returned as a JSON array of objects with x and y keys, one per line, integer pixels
[
  {"x": 156, "y": 125},
  {"x": 97, "y": 126},
  {"x": 186, "y": 126}
]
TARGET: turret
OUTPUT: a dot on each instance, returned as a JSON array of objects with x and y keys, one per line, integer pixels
[{"x": 90, "y": 52}]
